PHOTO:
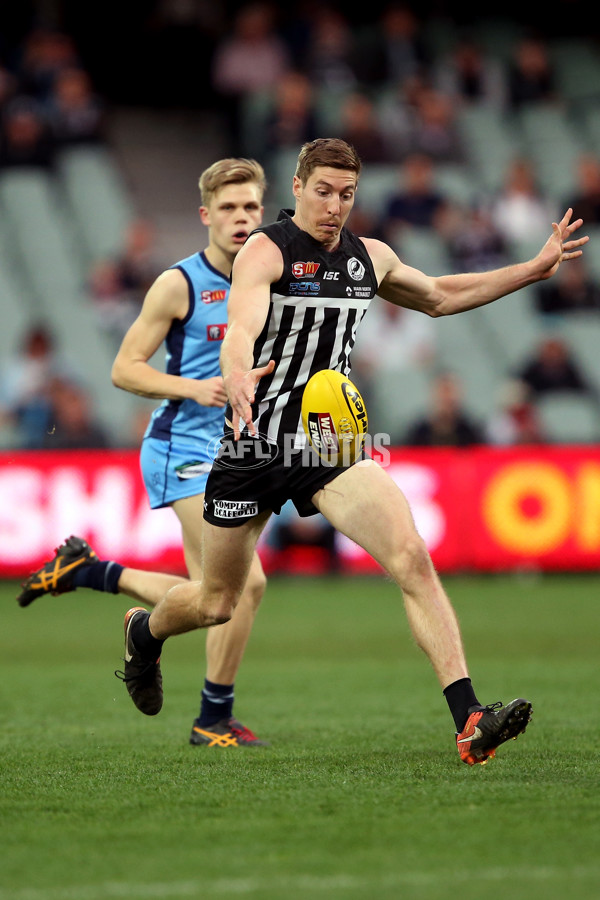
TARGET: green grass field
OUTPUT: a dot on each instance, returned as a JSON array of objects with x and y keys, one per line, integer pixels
[{"x": 361, "y": 795}]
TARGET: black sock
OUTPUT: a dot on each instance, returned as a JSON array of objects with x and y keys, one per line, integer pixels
[
  {"x": 460, "y": 696},
  {"x": 101, "y": 576},
  {"x": 143, "y": 639},
  {"x": 217, "y": 703}
]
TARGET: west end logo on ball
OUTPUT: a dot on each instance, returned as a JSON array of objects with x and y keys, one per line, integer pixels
[{"x": 322, "y": 432}]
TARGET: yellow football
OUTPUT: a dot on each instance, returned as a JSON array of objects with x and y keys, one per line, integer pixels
[{"x": 334, "y": 417}]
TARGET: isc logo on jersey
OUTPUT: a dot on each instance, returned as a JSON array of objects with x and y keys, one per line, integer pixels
[{"x": 334, "y": 417}]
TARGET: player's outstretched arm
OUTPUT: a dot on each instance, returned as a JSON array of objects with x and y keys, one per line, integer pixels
[{"x": 450, "y": 294}]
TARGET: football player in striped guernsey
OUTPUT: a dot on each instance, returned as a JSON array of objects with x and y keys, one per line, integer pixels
[{"x": 300, "y": 287}]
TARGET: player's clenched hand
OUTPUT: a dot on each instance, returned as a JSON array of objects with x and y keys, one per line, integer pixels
[
  {"x": 241, "y": 387},
  {"x": 559, "y": 246},
  {"x": 210, "y": 392}
]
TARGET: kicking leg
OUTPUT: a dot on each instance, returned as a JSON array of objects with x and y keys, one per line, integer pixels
[{"x": 367, "y": 506}]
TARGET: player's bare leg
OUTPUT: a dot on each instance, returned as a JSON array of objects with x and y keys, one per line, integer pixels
[
  {"x": 227, "y": 560},
  {"x": 147, "y": 588},
  {"x": 368, "y": 507},
  {"x": 225, "y": 644}
]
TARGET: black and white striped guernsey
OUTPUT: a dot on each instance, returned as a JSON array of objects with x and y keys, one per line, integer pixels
[{"x": 314, "y": 312}]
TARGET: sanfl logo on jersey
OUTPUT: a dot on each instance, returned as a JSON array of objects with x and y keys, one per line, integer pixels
[
  {"x": 300, "y": 269},
  {"x": 356, "y": 270},
  {"x": 213, "y": 296}
]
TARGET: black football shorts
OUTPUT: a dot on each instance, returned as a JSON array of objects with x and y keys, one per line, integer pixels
[{"x": 250, "y": 477}]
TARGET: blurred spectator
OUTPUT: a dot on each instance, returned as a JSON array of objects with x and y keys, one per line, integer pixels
[
  {"x": 516, "y": 421},
  {"x": 473, "y": 241},
  {"x": 26, "y": 140},
  {"x": 72, "y": 422},
  {"x": 249, "y": 58},
  {"x": 585, "y": 202},
  {"x": 417, "y": 203},
  {"x": 434, "y": 130},
  {"x": 45, "y": 53},
  {"x": 118, "y": 286},
  {"x": 25, "y": 401},
  {"x": 468, "y": 75},
  {"x": 292, "y": 120},
  {"x": 394, "y": 50},
  {"x": 553, "y": 367},
  {"x": 75, "y": 112},
  {"x": 8, "y": 86},
  {"x": 398, "y": 111},
  {"x": 571, "y": 290},
  {"x": 329, "y": 57},
  {"x": 391, "y": 339},
  {"x": 520, "y": 210},
  {"x": 361, "y": 128},
  {"x": 531, "y": 76},
  {"x": 447, "y": 423}
]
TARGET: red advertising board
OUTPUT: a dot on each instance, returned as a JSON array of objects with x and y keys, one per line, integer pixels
[{"x": 478, "y": 509}]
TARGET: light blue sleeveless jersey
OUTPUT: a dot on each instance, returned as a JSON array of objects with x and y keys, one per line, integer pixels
[{"x": 193, "y": 348}]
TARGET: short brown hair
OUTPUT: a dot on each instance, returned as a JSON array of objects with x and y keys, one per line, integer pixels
[
  {"x": 332, "y": 152},
  {"x": 234, "y": 170}
]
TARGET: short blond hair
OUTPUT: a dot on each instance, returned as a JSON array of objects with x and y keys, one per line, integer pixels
[{"x": 234, "y": 170}]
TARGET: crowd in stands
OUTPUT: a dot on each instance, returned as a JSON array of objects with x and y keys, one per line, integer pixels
[
  {"x": 47, "y": 101},
  {"x": 280, "y": 80}
]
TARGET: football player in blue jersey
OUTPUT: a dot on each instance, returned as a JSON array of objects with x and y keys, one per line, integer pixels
[{"x": 186, "y": 307}]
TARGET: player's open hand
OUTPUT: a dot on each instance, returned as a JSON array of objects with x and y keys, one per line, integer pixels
[
  {"x": 559, "y": 247},
  {"x": 241, "y": 388}
]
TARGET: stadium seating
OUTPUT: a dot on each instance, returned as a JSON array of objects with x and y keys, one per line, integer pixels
[
  {"x": 551, "y": 141},
  {"x": 51, "y": 270},
  {"x": 568, "y": 417},
  {"x": 52, "y": 226},
  {"x": 96, "y": 198}
]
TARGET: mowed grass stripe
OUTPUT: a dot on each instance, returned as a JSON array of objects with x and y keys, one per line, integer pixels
[{"x": 310, "y": 885}]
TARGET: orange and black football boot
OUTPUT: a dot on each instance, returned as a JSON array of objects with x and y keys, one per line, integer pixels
[
  {"x": 56, "y": 576},
  {"x": 489, "y": 726},
  {"x": 226, "y": 733}
]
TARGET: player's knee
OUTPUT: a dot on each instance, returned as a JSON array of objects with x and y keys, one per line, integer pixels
[
  {"x": 255, "y": 587},
  {"x": 411, "y": 562},
  {"x": 216, "y": 612},
  {"x": 215, "y": 608}
]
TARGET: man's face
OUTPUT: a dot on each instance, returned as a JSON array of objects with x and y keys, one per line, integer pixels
[
  {"x": 324, "y": 203},
  {"x": 232, "y": 214}
]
